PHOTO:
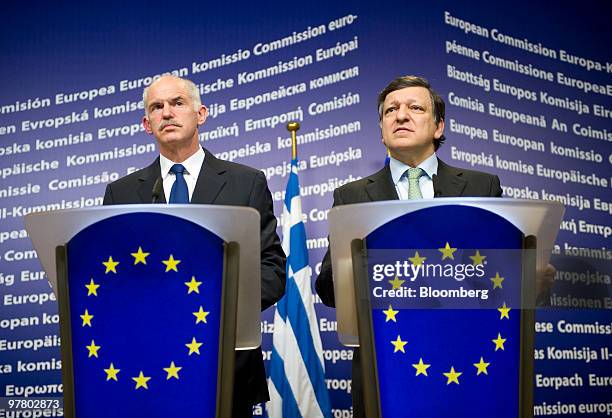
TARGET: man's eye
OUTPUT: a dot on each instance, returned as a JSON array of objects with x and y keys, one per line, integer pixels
[
  {"x": 179, "y": 103},
  {"x": 417, "y": 108},
  {"x": 389, "y": 110}
]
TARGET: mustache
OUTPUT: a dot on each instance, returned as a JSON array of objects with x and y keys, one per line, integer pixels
[{"x": 168, "y": 122}]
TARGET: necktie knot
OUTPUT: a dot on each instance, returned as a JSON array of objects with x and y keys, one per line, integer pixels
[
  {"x": 177, "y": 169},
  {"x": 415, "y": 173}
]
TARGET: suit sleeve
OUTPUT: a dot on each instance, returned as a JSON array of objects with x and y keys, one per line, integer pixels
[
  {"x": 108, "y": 196},
  {"x": 325, "y": 281},
  {"x": 496, "y": 190},
  {"x": 272, "y": 256}
]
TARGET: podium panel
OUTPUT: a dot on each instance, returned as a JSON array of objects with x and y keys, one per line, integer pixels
[
  {"x": 236, "y": 225},
  {"x": 441, "y": 329},
  {"x": 144, "y": 329},
  {"x": 540, "y": 219}
]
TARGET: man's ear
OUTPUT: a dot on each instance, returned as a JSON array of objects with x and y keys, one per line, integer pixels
[
  {"x": 202, "y": 114},
  {"x": 439, "y": 130},
  {"x": 147, "y": 125}
]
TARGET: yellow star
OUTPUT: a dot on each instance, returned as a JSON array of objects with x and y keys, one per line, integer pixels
[
  {"x": 193, "y": 285},
  {"x": 92, "y": 288},
  {"x": 481, "y": 366},
  {"x": 140, "y": 256},
  {"x": 447, "y": 252},
  {"x": 399, "y": 345},
  {"x": 110, "y": 265},
  {"x": 390, "y": 314},
  {"x": 499, "y": 342},
  {"x": 194, "y": 346},
  {"x": 421, "y": 368},
  {"x": 201, "y": 315},
  {"x": 396, "y": 283},
  {"x": 497, "y": 280},
  {"x": 93, "y": 349},
  {"x": 504, "y": 312},
  {"x": 86, "y": 317},
  {"x": 111, "y": 373},
  {"x": 453, "y": 376},
  {"x": 171, "y": 263},
  {"x": 477, "y": 258},
  {"x": 417, "y": 260},
  {"x": 141, "y": 381},
  {"x": 172, "y": 371}
]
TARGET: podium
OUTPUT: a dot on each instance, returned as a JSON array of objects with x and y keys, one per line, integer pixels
[
  {"x": 153, "y": 301},
  {"x": 440, "y": 296}
]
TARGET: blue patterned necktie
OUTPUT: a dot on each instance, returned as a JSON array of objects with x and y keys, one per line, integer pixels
[
  {"x": 414, "y": 191},
  {"x": 179, "y": 192}
]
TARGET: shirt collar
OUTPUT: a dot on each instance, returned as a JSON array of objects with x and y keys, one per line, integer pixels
[
  {"x": 398, "y": 168},
  {"x": 192, "y": 164}
]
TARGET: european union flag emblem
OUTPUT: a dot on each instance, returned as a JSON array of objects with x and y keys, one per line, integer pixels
[
  {"x": 145, "y": 310},
  {"x": 445, "y": 317}
]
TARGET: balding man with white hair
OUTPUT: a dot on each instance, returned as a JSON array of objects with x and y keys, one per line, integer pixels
[{"x": 191, "y": 174}]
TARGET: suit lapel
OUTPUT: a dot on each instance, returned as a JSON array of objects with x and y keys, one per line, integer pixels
[
  {"x": 147, "y": 181},
  {"x": 380, "y": 186},
  {"x": 210, "y": 181},
  {"x": 448, "y": 182}
]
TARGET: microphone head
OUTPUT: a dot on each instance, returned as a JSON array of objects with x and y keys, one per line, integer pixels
[
  {"x": 437, "y": 192},
  {"x": 157, "y": 188}
]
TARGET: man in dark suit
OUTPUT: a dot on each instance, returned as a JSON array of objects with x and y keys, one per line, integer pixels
[
  {"x": 188, "y": 173},
  {"x": 412, "y": 123},
  {"x": 411, "y": 118}
]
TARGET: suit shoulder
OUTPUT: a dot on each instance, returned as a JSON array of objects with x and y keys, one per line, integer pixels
[
  {"x": 356, "y": 191},
  {"x": 477, "y": 183}
]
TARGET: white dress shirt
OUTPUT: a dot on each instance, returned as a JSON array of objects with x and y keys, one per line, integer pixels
[
  {"x": 192, "y": 165},
  {"x": 398, "y": 168}
]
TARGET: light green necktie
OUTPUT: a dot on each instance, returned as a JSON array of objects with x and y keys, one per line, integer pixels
[{"x": 414, "y": 191}]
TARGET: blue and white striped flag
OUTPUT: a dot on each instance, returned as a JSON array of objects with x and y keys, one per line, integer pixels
[{"x": 297, "y": 371}]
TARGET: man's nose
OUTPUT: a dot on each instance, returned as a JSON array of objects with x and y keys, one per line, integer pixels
[
  {"x": 402, "y": 113},
  {"x": 167, "y": 111}
]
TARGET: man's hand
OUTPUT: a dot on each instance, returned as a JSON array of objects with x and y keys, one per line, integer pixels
[{"x": 544, "y": 281}]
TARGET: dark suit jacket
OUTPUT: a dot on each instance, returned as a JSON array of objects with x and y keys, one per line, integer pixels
[{"x": 225, "y": 183}]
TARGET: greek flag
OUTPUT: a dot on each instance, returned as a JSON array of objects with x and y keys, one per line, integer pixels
[{"x": 297, "y": 374}]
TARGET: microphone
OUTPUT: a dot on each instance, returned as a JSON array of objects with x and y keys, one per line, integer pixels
[
  {"x": 437, "y": 192},
  {"x": 157, "y": 188}
]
